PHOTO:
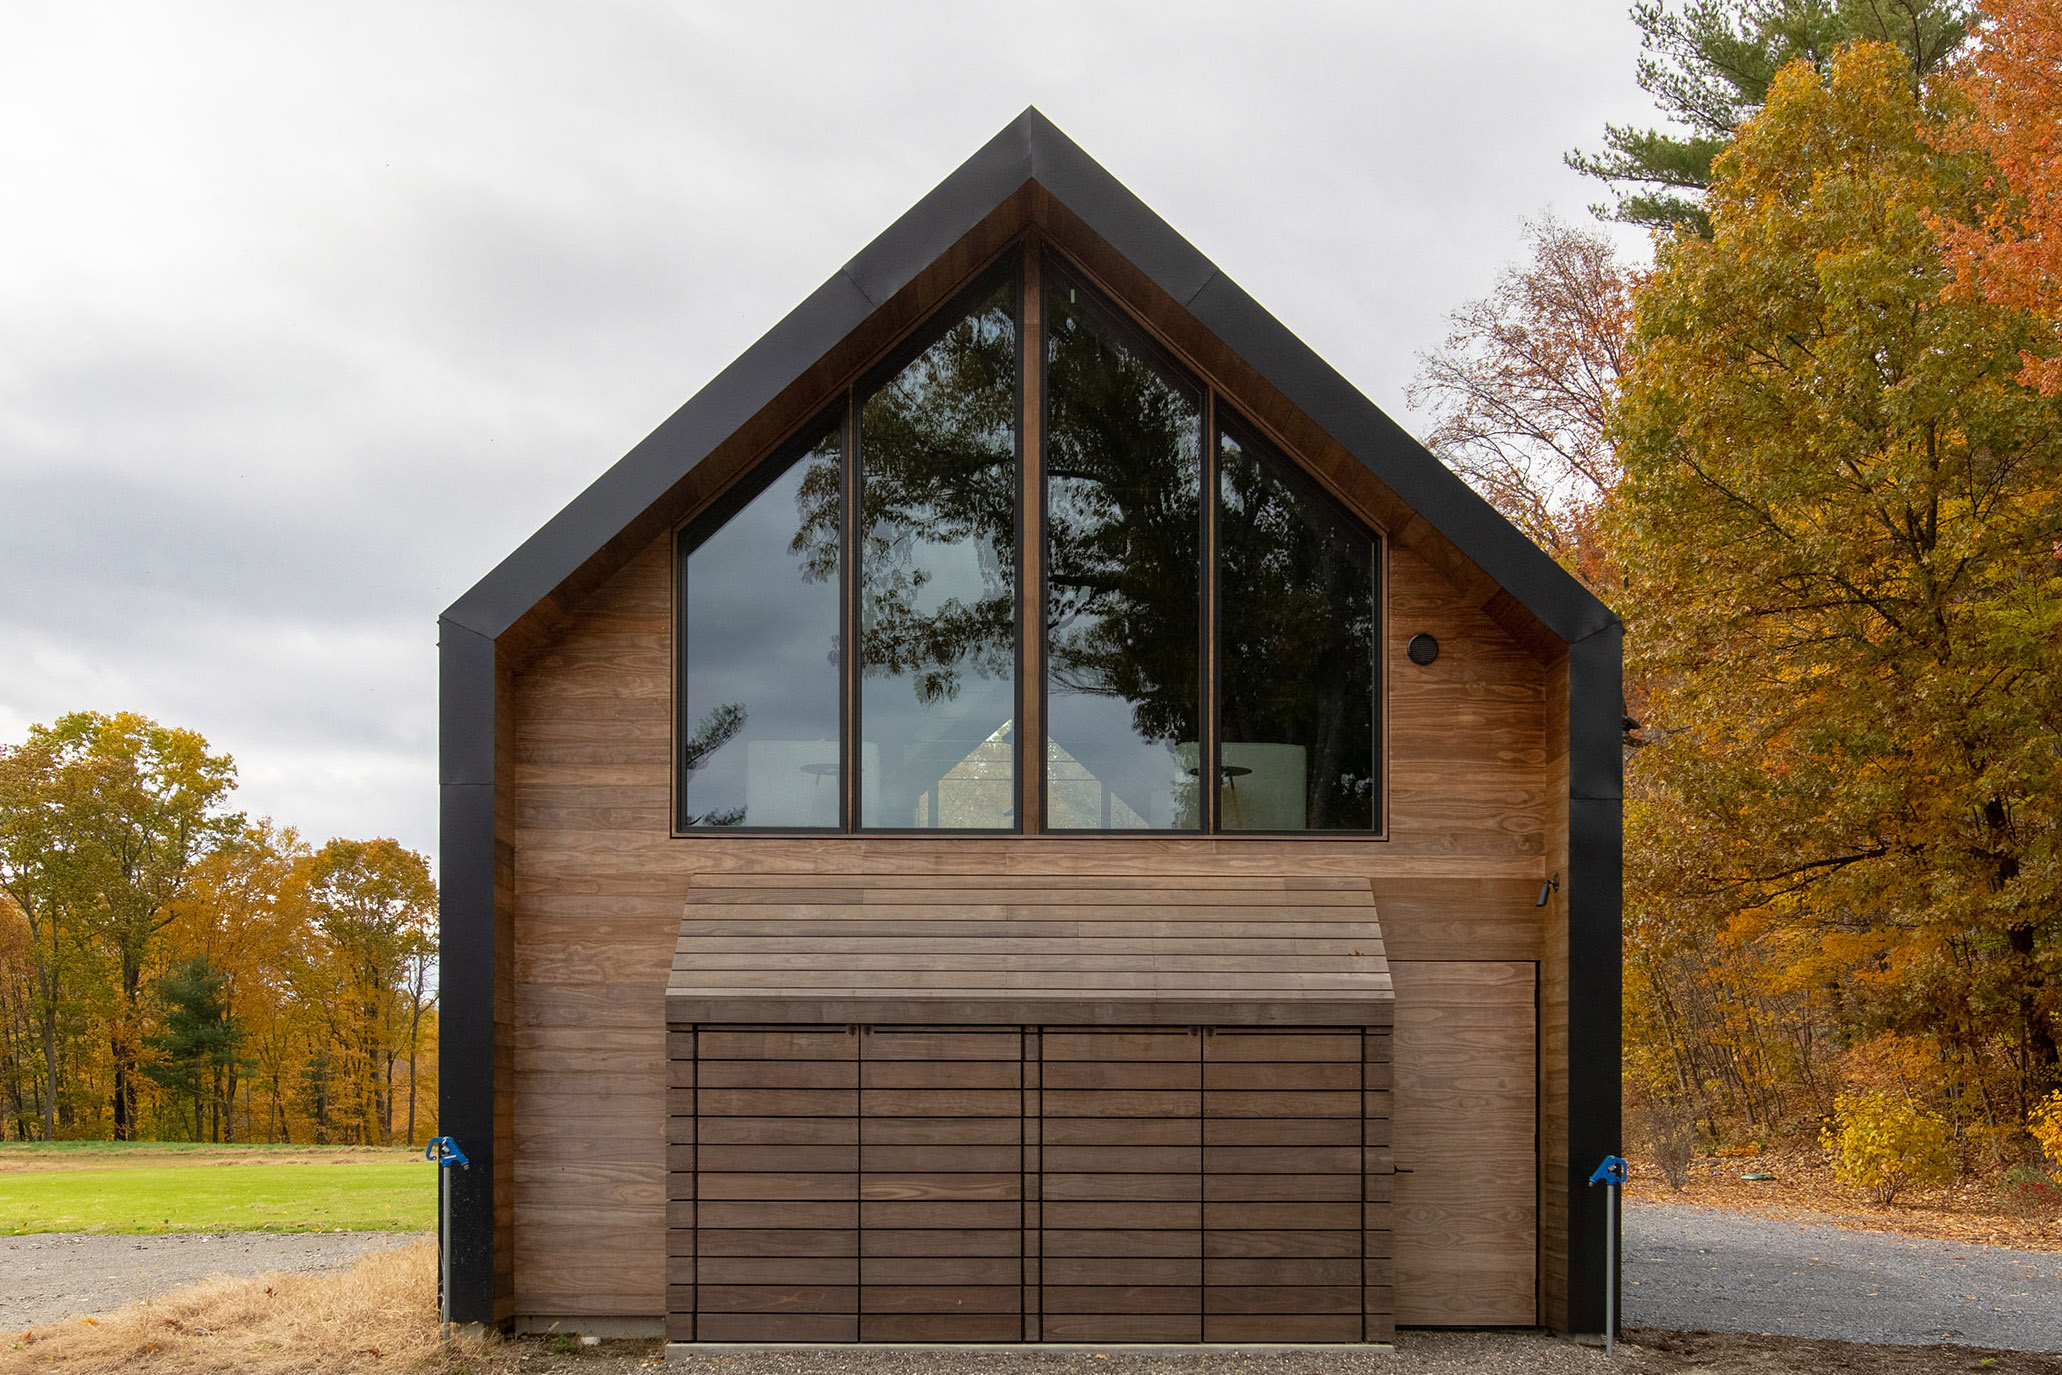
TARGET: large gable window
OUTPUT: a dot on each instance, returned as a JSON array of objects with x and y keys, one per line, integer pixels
[{"x": 1195, "y": 607}]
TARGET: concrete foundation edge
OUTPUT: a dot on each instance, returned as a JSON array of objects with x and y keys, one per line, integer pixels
[
  {"x": 682, "y": 1351},
  {"x": 591, "y": 1325}
]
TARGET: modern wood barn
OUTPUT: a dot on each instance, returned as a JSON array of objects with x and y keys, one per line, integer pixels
[{"x": 1029, "y": 811}]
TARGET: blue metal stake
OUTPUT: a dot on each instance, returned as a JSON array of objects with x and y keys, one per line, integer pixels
[
  {"x": 444, "y": 1152},
  {"x": 1610, "y": 1174}
]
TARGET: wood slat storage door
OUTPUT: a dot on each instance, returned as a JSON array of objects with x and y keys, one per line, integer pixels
[
  {"x": 1467, "y": 1113},
  {"x": 1002, "y": 1184},
  {"x": 1295, "y": 1180},
  {"x": 1120, "y": 1208},
  {"x": 774, "y": 1239},
  {"x": 941, "y": 1185}
]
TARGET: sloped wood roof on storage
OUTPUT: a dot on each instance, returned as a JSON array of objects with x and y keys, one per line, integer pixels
[{"x": 1005, "y": 949}]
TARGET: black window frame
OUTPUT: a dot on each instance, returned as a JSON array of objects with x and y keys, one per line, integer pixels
[{"x": 1029, "y": 761}]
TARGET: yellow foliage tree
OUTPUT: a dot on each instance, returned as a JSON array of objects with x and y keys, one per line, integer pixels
[
  {"x": 1837, "y": 523},
  {"x": 168, "y": 969},
  {"x": 2046, "y": 1124},
  {"x": 1885, "y": 1146}
]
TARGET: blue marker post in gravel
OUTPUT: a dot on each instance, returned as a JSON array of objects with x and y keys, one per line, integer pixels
[
  {"x": 445, "y": 1153},
  {"x": 1610, "y": 1174}
]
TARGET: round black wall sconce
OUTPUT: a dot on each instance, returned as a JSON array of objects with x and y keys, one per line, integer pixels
[{"x": 1423, "y": 649}]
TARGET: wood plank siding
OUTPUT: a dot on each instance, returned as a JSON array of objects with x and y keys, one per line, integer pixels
[
  {"x": 597, "y": 887},
  {"x": 1203, "y": 1158}
]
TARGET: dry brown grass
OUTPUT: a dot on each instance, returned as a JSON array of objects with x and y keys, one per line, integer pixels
[
  {"x": 380, "y": 1315},
  {"x": 14, "y": 1159}
]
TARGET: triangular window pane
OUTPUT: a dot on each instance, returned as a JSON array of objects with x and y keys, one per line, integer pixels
[
  {"x": 1297, "y": 705},
  {"x": 759, "y": 662}
]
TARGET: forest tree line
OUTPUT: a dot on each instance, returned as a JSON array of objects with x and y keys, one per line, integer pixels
[
  {"x": 1812, "y": 454},
  {"x": 173, "y": 970}
]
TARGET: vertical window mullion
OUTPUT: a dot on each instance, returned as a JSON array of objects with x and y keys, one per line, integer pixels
[
  {"x": 1208, "y": 770},
  {"x": 848, "y": 572},
  {"x": 1031, "y": 749}
]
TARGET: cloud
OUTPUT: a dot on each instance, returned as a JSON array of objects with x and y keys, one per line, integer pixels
[{"x": 314, "y": 312}]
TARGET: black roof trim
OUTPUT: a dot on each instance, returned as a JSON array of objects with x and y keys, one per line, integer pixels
[{"x": 1029, "y": 148}]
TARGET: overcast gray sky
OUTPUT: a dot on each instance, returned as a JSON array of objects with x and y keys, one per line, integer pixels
[{"x": 309, "y": 313}]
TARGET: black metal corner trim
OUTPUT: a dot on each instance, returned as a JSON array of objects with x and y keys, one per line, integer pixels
[
  {"x": 465, "y": 918},
  {"x": 920, "y": 236},
  {"x": 1108, "y": 206},
  {"x": 1596, "y": 728},
  {"x": 1594, "y": 889}
]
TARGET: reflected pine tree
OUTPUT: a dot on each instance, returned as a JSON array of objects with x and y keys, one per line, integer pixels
[
  {"x": 937, "y": 529},
  {"x": 717, "y": 728},
  {"x": 1297, "y": 645},
  {"x": 819, "y": 511},
  {"x": 939, "y": 454},
  {"x": 1123, "y": 521}
]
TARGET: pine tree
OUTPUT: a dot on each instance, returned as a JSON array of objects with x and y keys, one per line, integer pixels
[
  {"x": 199, "y": 1039},
  {"x": 1709, "y": 65}
]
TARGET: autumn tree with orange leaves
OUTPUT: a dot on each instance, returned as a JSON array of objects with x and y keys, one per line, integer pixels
[
  {"x": 1520, "y": 393},
  {"x": 2010, "y": 252},
  {"x": 1835, "y": 530}
]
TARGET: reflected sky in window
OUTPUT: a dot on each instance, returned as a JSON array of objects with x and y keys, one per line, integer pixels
[{"x": 759, "y": 720}]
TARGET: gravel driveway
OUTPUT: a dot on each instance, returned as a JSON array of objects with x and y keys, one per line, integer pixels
[
  {"x": 1688, "y": 1268},
  {"x": 52, "y": 1275}
]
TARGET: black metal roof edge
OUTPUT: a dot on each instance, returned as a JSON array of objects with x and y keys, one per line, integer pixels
[{"x": 1030, "y": 147}]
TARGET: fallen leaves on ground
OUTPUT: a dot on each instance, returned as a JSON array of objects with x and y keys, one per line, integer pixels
[{"x": 1804, "y": 1190}]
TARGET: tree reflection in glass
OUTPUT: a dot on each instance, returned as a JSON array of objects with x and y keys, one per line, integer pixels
[
  {"x": 759, "y": 662},
  {"x": 1123, "y": 519},
  {"x": 1296, "y": 651},
  {"x": 937, "y": 591}
]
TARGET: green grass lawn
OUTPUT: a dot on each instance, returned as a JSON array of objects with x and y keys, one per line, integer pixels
[{"x": 158, "y": 1187}]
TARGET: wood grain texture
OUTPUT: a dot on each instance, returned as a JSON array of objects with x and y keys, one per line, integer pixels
[{"x": 1466, "y": 1113}]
